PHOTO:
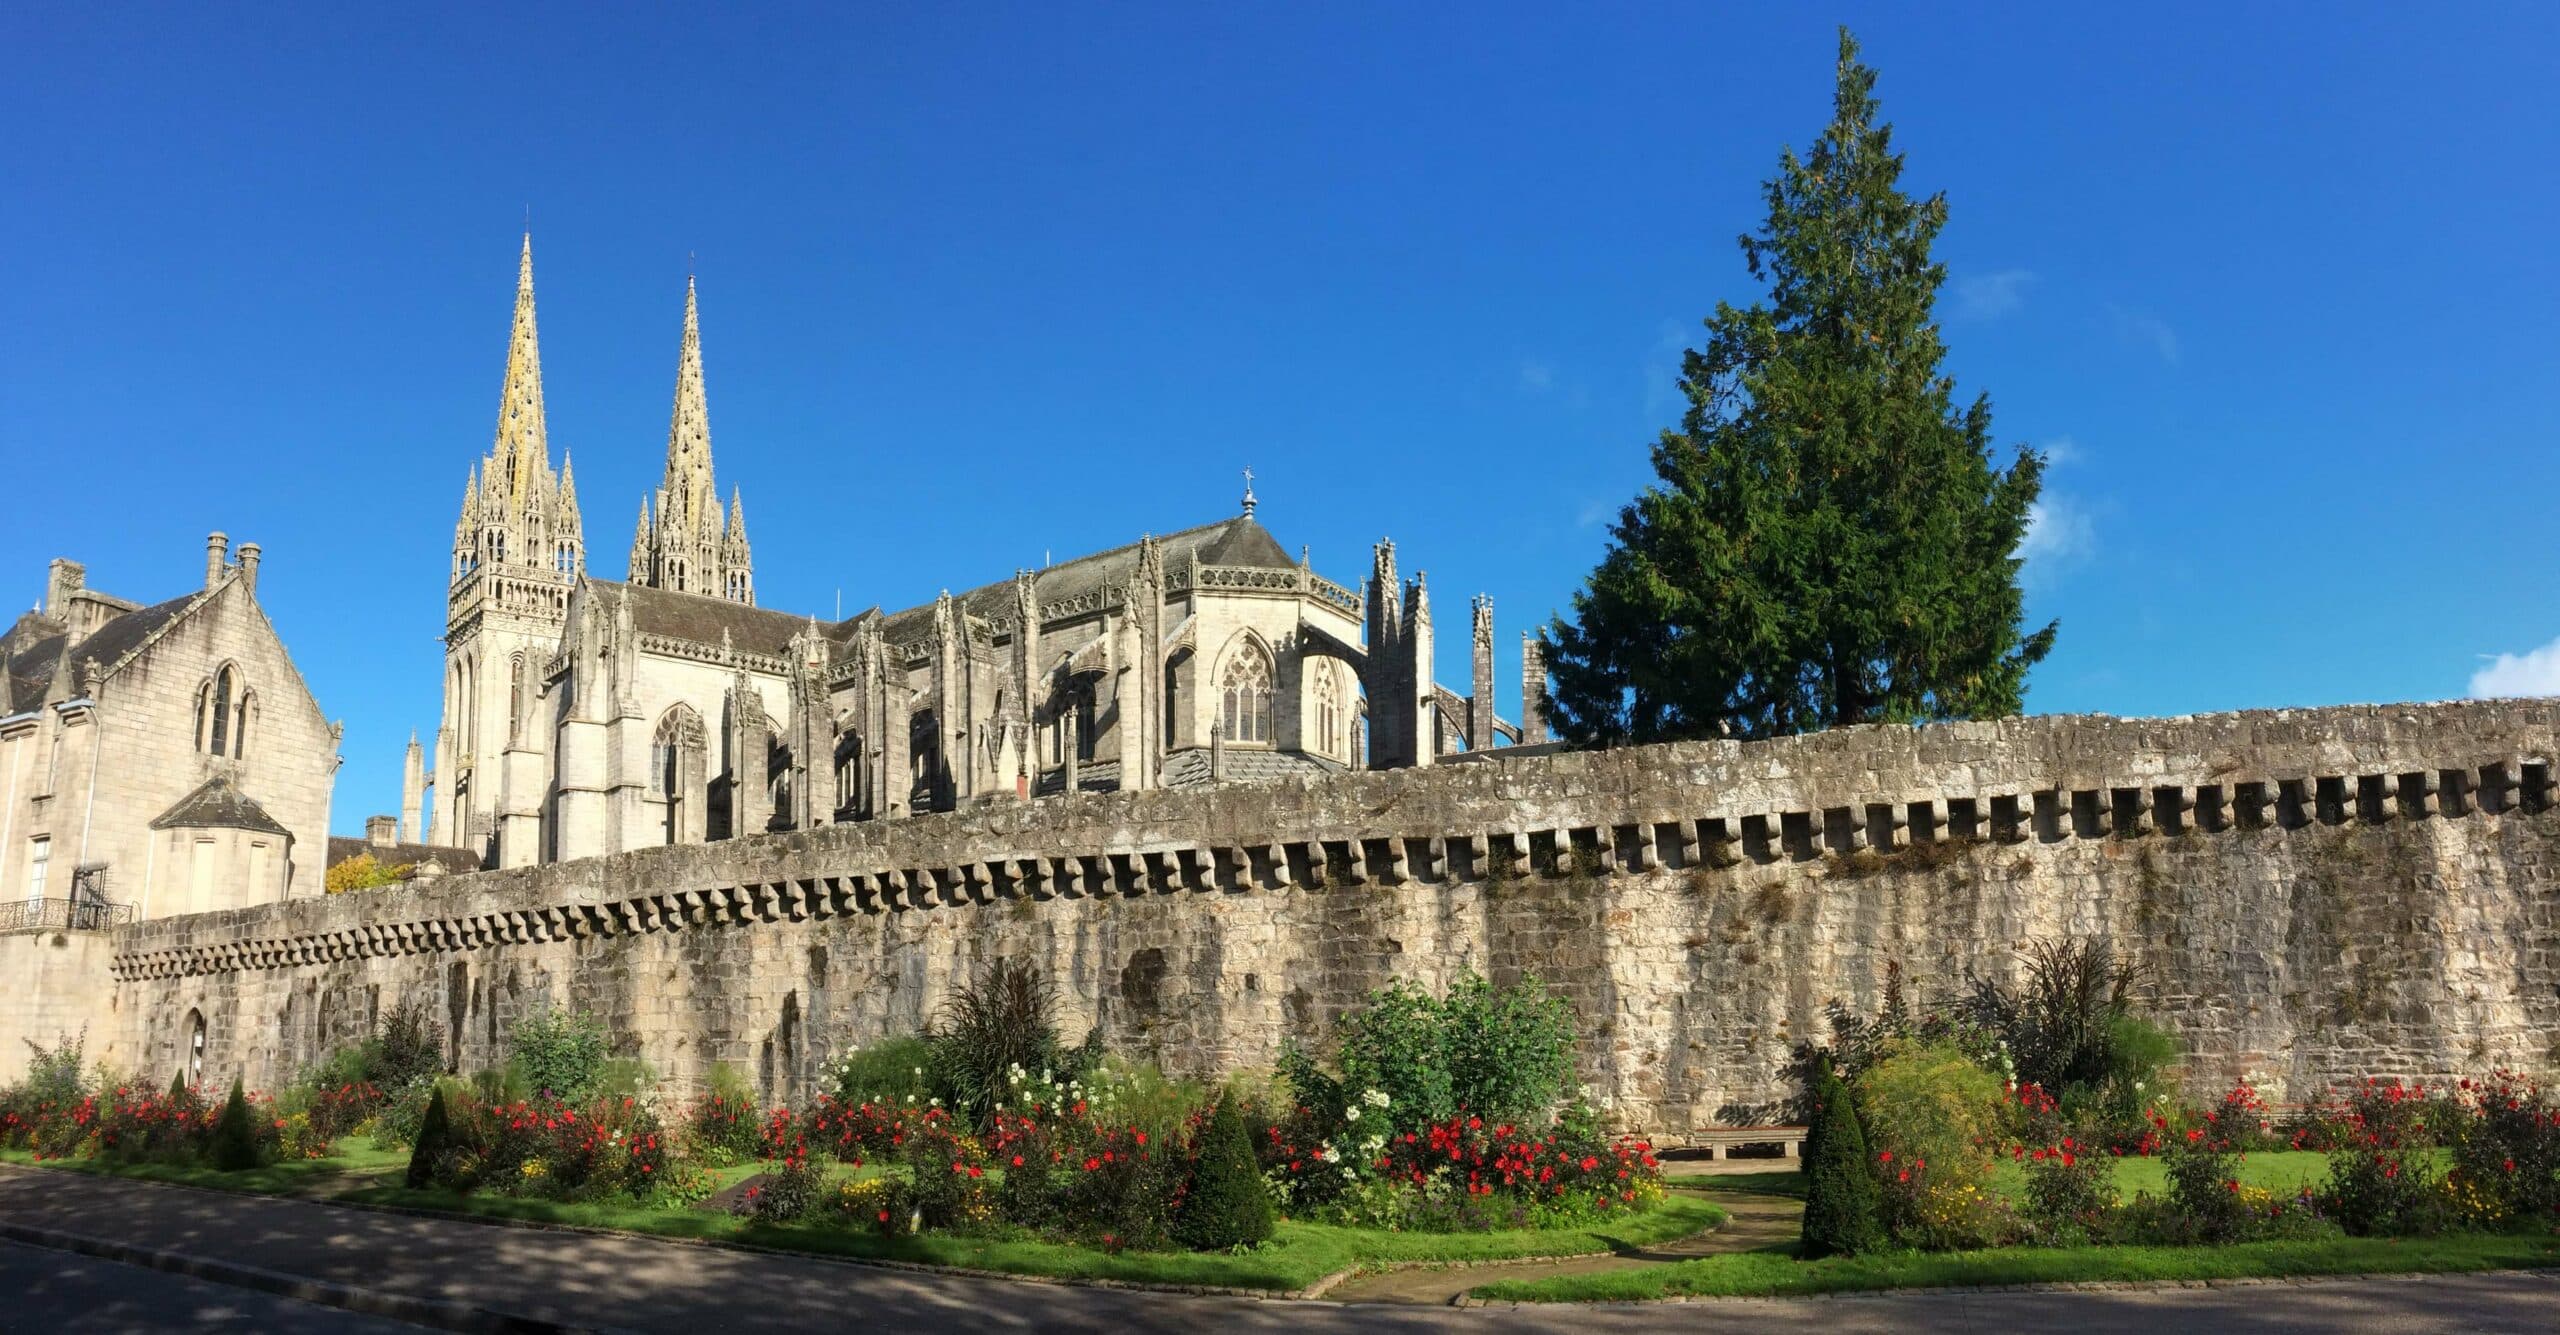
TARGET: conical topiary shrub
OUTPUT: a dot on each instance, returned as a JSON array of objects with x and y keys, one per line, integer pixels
[
  {"x": 1227, "y": 1205},
  {"x": 235, "y": 1143},
  {"x": 1843, "y": 1203},
  {"x": 178, "y": 1088},
  {"x": 435, "y": 1133}
]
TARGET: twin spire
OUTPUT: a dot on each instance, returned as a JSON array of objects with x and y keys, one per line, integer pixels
[
  {"x": 690, "y": 546},
  {"x": 514, "y": 513}
]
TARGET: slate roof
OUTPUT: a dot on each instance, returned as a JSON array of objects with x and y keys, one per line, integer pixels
[
  {"x": 699, "y": 618},
  {"x": 1244, "y": 764},
  {"x": 35, "y": 647},
  {"x": 1190, "y": 769},
  {"x": 1236, "y": 541},
  {"x": 345, "y": 847},
  {"x": 218, "y": 804}
]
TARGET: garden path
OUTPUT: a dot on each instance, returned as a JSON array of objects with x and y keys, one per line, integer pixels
[{"x": 1752, "y": 1221}]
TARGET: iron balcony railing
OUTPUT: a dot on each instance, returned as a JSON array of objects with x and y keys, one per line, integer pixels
[{"x": 62, "y": 915}]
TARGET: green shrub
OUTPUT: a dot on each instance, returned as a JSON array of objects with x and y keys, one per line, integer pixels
[
  {"x": 1226, "y": 1204},
  {"x": 559, "y": 1053},
  {"x": 434, "y": 1137},
  {"x": 2060, "y": 1020},
  {"x": 789, "y": 1191},
  {"x": 891, "y": 1071},
  {"x": 2506, "y": 1153},
  {"x": 1398, "y": 1044},
  {"x": 54, "y": 1074},
  {"x": 1509, "y": 1050},
  {"x": 235, "y": 1140},
  {"x": 2383, "y": 1180},
  {"x": 1935, "y": 1112},
  {"x": 1843, "y": 1206}
]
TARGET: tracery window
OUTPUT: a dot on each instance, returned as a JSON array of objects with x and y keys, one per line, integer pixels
[
  {"x": 1245, "y": 695},
  {"x": 1328, "y": 707},
  {"x": 222, "y": 722}
]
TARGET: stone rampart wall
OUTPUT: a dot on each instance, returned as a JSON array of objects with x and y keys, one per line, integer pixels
[{"x": 2320, "y": 893}]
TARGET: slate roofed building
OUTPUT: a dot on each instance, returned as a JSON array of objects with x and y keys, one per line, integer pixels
[{"x": 157, "y": 759}]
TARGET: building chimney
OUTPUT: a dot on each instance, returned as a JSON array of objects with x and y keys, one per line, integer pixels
[
  {"x": 249, "y": 567},
  {"x": 61, "y": 581},
  {"x": 382, "y": 831},
  {"x": 217, "y": 550}
]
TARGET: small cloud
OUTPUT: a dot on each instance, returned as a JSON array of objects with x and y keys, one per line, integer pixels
[
  {"x": 2059, "y": 451},
  {"x": 2509, "y": 675},
  {"x": 2059, "y": 536},
  {"x": 1537, "y": 377},
  {"x": 1992, "y": 295},
  {"x": 2146, "y": 328}
]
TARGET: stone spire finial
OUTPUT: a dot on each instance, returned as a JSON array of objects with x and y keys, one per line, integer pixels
[
  {"x": 524, "y": 442},
  {"x": 688, "y": 486}
]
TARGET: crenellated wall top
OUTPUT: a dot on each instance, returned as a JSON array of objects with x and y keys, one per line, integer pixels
[{"x": 1878, "y": 787}]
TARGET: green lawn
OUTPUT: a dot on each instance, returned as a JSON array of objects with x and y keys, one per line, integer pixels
[
  {"x": 2279, "y": 1171},
  {"x": 1767, "y": 1273},
  {"x": 1297, "y": 1255}
]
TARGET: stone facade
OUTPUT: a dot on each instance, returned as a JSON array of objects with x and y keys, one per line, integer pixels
[
  {"x": 583, "y": 716},
  {"x": 2318, "y": 893},
  {"x": 166, "y": 758}
]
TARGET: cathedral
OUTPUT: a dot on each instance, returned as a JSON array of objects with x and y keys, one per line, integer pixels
[{"x": 585, "y": 715}]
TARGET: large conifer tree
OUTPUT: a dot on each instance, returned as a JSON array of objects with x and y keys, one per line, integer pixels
[{"x": 1830, "y": 541}]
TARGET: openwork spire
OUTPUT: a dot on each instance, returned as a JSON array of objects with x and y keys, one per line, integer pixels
[
  {"x": 524, "y": 445},
  {"x": 688, "y": 487},
  {"x": 689, "y": 545},
  {"x": 515, "y": 512}
]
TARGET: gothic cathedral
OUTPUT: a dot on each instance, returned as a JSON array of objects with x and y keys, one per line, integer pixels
[{"x": 585, "y": 716}]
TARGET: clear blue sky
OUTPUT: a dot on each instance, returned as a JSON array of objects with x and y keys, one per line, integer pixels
[{"x": 2276, "y": 284}]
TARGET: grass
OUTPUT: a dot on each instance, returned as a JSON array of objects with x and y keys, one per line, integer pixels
[
  {"x": 1778, "y": 1273},
  {"x": 1297, "y": 1255},
  {"x": 2279, "y": 1171}
]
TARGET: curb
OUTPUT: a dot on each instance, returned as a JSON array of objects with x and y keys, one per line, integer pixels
[
  {"x": 2055, "y": 1286},
  {"x": 345, "y": 1297}
]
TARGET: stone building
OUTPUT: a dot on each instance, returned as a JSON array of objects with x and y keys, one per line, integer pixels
[
  {"x": 157, "y": 760},
  {"x": 584, "y": 715}
]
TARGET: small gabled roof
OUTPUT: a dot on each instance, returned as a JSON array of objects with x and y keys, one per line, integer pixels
[{"x": 218, "y": 804}]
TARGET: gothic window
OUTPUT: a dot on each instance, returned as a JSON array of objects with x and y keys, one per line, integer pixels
[
  {"x": 1245, "y": 695},
  {"x": 675, "y": 768},
  {"x": 1328, "y": 707},
  {"x": 240, "y": 716},
  {"x": 221, "y": 711}
]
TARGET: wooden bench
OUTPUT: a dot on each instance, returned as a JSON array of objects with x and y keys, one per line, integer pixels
[{"x": 1718, "y": 1140}]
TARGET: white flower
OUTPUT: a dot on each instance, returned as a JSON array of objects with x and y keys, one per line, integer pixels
[
  {"x": 1375, "y": 1098},
  {"x": 1351, "y": 1114}
]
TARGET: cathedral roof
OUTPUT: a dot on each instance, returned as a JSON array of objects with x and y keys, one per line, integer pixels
[
  {"x": 218, "y": 804},
  {"x": 700, "y": 618},
  {"x": 1237, "y": 541}
]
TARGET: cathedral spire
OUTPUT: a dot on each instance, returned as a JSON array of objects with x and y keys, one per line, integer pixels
[
  {"x": 523, "y": 445},
  {"x": 688, "y": 485},
  {"x": 691, "y": 546}
]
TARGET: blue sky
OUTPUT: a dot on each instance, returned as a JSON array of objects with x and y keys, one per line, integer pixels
[{"x": 2275, "y": 284}]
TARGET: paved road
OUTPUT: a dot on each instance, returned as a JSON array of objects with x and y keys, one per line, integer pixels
[
  {"x": 74, "y": 1295},
  {"x": 644, "y": 1285}
]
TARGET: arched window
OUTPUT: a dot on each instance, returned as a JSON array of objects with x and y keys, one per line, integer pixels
[
  {"x": 221, "y": 711},
  {"x": 204, "y": 716},
  {"x": 241, "y": 715},
  {"x": 1328, "y": 707},
  {"x": 1245, "y": 695},
  {"x": 675, "y": 768}
]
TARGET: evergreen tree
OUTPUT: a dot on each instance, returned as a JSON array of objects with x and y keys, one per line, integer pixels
[
  {"x": 1227, "y": 1205},
  {"x": 1829, "y": 541},
  {"x": 178, "y": 1088},
  {"x": 235, "y": 1142},
  {"x": 1843, "y": 1202},
  {"x": 435, "y": 1134}
]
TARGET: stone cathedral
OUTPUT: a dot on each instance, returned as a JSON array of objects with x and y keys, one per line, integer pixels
[{"x": 585, "y": 716}]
